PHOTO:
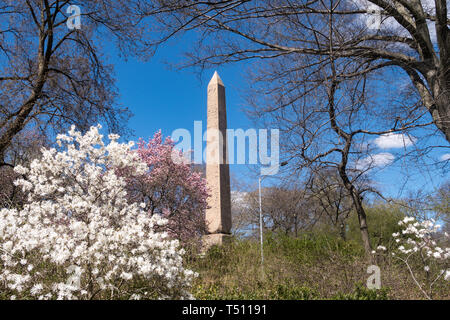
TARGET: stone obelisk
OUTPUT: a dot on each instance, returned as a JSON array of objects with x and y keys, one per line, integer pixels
[{"x": 218, "y": 215}]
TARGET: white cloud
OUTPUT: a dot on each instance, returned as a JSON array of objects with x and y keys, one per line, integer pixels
[
  {"x": 375, "y": 160},
  {"x": 394, "y": 140},
  {"x": 445, "y": 157},
  {"x": 238, "y": 196},
  {"x": 375, "y": 20},
  {"x": 389, "y": 24}
]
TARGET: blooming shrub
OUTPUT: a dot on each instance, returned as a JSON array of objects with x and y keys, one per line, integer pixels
[
  {"x": 25, "y": 146},
  {"x": 171, "y": 189},
  {"x": 417, "y": 246},
  {"x": 8, "y": 192},
  {"x": 78, "y": 236}
]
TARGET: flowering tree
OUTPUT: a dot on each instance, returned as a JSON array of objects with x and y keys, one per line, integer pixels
[
  {"x": 7, "y": 189},
  {"x": 171, "y": 189},
  {"x": 25, "y": 147},
  {"x": 78, "y": 236},
  {"x": 417, "y": 246}
]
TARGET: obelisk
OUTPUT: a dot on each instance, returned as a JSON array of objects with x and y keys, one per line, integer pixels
[{"x": 218, "y": 215}]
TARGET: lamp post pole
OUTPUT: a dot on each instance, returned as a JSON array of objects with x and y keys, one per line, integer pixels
[
  {"x": 260, "y": 224},
  {"x": 260, "y": 215}
]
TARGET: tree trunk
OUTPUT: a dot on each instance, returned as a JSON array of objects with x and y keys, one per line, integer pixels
[
  {"x": 441, "y": 117},
  {"x": 442, "y": 92},
  {"x": 362, "y": 222},
  {"x": 357, "y": 202},
  {"x": 342, "y": 231},
  {"x": 441, "y": 113},
  {"x": 25, "y": 110}
]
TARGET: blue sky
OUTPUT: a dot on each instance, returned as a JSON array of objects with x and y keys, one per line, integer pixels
[{"x": 163, "y": 98}]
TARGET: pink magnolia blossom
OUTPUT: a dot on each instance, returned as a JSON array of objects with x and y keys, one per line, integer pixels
[{"x": 172, "y": 190}]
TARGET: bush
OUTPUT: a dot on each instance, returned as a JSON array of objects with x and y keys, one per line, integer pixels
[
  {"x": 362, "y": 293},
  {"x": 77, "y": 236},
  {"x": 290, "y": 291},
  {"x": 260, "y": 291},
  {"x": 311, "y": 247},
  {"x": 418, "y": 248},
  {"x": 382, "y": 221},
  {"x": 234, "y": 271},
  {"x": 171, "y": 189}
]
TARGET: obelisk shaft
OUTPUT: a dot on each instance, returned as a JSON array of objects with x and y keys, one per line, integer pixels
[{"x": 218, "y": 215}]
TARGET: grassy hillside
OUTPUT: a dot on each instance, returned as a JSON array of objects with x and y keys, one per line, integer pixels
[{"x": 312, "y": 266}]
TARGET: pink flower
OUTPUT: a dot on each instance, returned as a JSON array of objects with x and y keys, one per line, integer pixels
[{"x": 173, "y": 190}]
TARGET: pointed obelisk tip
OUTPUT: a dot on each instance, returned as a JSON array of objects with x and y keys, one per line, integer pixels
[{"x": 215, "y": 79}]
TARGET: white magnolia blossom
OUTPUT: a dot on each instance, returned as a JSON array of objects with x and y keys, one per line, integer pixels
[
  {"x": 419, "y": 237},
  {"x": 417, "y": 244},
  {"x": 77, "y": 237},
  {"x": 447, "y": 274}
]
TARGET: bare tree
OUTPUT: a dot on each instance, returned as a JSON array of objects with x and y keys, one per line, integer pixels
[
  {"x": 333, "y": 199},
  {"x": 53, "y": 76},
  {"x": 330, "y": 133},
  {"x": 287, "y": 210},
  {"x": 242, "y": 214},
  {"x": 412, "y": 40},
  {"x": 327, "y": 80},
  {"x": 441, "y": 202},
  {"x": 25, "y": 147}
]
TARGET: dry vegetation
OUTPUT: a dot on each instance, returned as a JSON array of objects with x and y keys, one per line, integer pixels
[{"x": 312, "y": 266}]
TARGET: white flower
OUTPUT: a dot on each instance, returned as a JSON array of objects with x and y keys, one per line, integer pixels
[
  {"x": 436, "y": 255},
  {"x": 421, "y": 239},
  {"x": 81, "y": 217},
  {"x": 408, "y": 219},
  {"x": 20, "y": 170},
  {"x": 36, "y": 289},
  {"x": 113, "y": 136},
  {"x": 126, "y": 275},
  {"x": 382, "y": 248}
]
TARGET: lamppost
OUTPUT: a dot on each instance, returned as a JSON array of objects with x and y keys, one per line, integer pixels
[{"x": 260, "y": 214}]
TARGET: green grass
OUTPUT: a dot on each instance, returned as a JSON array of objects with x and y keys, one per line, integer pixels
[{"x": 312, "y": 266}]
